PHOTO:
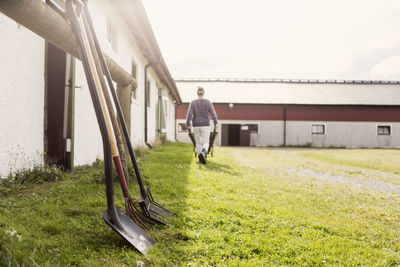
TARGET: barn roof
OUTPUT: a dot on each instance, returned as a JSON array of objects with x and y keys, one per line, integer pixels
[{"x": 272, "y": 91}]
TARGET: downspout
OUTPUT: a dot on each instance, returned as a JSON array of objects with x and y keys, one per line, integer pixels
[
  {"x": 145, "y": 105},
  {"x": 159, "y": 113},
  {"x": 146, "y": 100},
  {"x": 69, "y": 114},
  {"x": 175, "y": 125},
  {"x": 284, "y": 125}
]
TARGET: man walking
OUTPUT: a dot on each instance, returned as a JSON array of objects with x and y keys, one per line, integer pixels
[{"x": 198, "y": 113}]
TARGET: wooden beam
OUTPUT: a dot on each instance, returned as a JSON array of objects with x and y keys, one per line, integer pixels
[{"x": 45, "y": 22}]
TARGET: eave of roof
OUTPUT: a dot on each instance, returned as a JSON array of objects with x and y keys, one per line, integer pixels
[
  {"x": 134, "y": 15},
  {"x": 248, "y": 80},
  {"x": 295, "y": 92}
]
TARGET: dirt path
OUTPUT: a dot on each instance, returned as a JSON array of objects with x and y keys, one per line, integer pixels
[{"x": 289, "y": 163}]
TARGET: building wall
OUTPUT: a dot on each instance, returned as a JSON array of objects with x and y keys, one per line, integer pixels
[
  {"x": 270, "y": 133},
  {"x": 152, "y": 110},
  {"x": 342, "y": 134},
  {"x": 22, "y": 89},
  {"x": 171, "y": 119},
  {"x": 137, "y": 106},
  {"x": 345, "y": 126},
  {"x": 88, "y": 143},
  {"x": 22, "y": 97}
]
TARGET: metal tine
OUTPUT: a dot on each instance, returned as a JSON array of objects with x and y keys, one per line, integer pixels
[{"x": 165, "y": 211}]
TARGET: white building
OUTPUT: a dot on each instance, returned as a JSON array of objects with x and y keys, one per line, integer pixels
[{"x": 45, "y": 100}]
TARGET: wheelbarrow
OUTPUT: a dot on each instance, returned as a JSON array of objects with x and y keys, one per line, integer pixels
[{"x": 213, "y": 134}]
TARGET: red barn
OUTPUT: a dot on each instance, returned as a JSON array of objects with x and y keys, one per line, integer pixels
[{"x": 320, "y": 113}]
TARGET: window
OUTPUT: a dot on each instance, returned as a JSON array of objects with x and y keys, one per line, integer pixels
[
  {"x": 318, "y": 129},
  {"x": 134, "y": 75},
  {"x": 112, "y": 35},
  {"x": 182, "y": 127},
  {"x": 253, "y": 128},
  {"x": 148, "y": 94},
  {"x": 384, "y": 130},
  {"x": 166, "y": 108}
]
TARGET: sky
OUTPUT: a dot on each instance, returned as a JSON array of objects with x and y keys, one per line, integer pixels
[{"x": 279, "y": 39}]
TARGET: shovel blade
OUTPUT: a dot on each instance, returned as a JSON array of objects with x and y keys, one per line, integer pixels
[{"x": 130, "y": 231}]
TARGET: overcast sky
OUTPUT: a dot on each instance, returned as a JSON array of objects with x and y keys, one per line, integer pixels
[{"x": 298, "y": 39}]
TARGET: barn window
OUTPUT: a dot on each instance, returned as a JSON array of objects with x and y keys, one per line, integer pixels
[
  {"x": 112, "y": 35},
  {"x": 318, "y": 129},
  {"x": 134, "y": 75},
  {"x": 384, "y": 130},
  {"x": 166, "y": 108},
  {"x": 148, "y": 94},
  {"x": 253, "y": 128},
  {"x": 182, "y": 127}
]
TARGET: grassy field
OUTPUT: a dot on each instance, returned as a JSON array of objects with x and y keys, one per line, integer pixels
[{"x": 246, "y": 207}]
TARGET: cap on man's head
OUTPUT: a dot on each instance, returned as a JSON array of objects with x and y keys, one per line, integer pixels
[{"x": 200, "y": 90}]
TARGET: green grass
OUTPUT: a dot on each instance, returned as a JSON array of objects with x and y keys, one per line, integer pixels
[
  {"x": 377, "y": 159},
  {"x": 246, "y": 207}
]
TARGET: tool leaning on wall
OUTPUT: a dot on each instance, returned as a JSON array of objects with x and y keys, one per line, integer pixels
[
  {"x": 95, "y": 68},
  {"x": 149, "y": 207}
]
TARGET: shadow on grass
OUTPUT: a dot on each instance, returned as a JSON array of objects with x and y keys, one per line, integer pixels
[
  {"x": 217, "y": 167},
  {"x": 68, "y": 214}
]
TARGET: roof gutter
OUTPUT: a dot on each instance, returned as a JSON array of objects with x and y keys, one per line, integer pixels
[{"x": 134, "y": 15}]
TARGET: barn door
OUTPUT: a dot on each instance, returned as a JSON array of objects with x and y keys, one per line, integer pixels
[
  {"x": 224, "y": 135},
  {"x": 58, "y": 114},
  {"x": 244, "y": 135}
]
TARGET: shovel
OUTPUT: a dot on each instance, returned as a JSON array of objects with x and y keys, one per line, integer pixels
[
  {"x": 114, "y": 217},
  {"x": 150, "y": 208}
]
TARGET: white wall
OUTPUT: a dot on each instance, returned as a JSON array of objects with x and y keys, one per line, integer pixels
[
  {"x": 342, "y": 134},
  {"x": 22, "y": 96},
  {"x": 22, "y": 92},
  {"x": 298, "y": 133},
  {"x": 169, "y": 114},
  {"x": 88, "y": 143},
  {"x": 171, "y": 120},
  {"x": 127, "y": 52},
  {"x": 153, "y": 111},
  {"x": 270, "y": 133},
  {"x": 181, "y": 136}
]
